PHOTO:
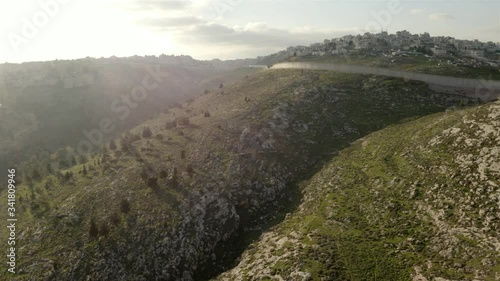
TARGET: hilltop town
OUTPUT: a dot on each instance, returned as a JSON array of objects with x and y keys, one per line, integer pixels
[{"x": 402, "y": 43}]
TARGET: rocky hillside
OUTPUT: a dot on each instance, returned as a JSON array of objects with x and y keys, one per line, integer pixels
[
  {"x": 416, "y": 201},
  {"x": 174, "y": 198}
]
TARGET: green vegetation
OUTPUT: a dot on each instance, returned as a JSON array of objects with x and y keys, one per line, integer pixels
[
  {"x": 396, "y": 203},
  {"x": 191, "y": 187}
]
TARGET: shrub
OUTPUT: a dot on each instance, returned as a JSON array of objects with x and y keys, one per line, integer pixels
[
  {"x": 183, "y": 154},
  {"x": 207, "y": 114}
]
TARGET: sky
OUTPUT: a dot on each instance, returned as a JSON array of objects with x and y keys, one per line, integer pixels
[{"x": 227, "y": 29}]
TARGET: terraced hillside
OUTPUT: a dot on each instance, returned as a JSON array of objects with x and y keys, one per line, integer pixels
[
  {"x": 173, "y": 198},
  {"x": 416, "y": 201}
]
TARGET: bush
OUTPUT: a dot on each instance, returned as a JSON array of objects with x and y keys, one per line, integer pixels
[
  {"x": 183, "y": 154},
  {"x": 207, "y": 114}
]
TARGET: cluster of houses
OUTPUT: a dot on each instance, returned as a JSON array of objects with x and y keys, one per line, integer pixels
[{"x": 401, "y": 41}]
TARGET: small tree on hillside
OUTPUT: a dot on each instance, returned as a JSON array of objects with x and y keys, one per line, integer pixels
[
  {"x": 190, "y": 170},
  {"x": 146, "y": 132},
  {"x": 163, "y": 174},
  {"x": 49, "y": 168},
  {"x": 124, "y": 206},
  {"x": 104, "y": 229},
  {"x": 170, "y": 124},
  {"x": 112, "y": 145},
  {"x": 115, "y": 219},
  {"x": 152, "y": 182},
  {"x": 174, "y": 180},
  {"x": 93, "y": 231},
  {"x": 36, "y": 174}
]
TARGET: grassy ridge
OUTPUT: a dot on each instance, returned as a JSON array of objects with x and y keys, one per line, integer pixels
[{"x": 395, "y": 204}]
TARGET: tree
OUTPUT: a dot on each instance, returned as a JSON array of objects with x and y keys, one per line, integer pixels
[
  {"x": 190, "y": 170},
  {"x": 104, "y": 229},
  {"x": 84, "y": 171},
  {"x": 221, "y": 86},
  {"x": 115, "y": 219},
  {"x": 93, "y": 231},
  {"x": 112, "y": 145},
  {"x": 68, "y": 176},
  {"x": 174, "y": 179},
  {"x": 207, "y": 114},
  {"x": 163, "y": 174},
  {"x": 183, "y": 121},
  {"x": 49, "y": 168},
  {"x": 146, "y": 132},
  {"x": 124, "y": 206},
  {"x": 144, "y": 175},
  {"x": 36, "y": 174},
  {"x": 73, "y": 160},
  {"x": 183, "y": 154},
  {"x": 170, "y": 124},
  {"x": 152, "y": 182}
]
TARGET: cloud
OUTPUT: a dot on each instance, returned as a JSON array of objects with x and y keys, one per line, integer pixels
[
  {"x": 167, "y": 23},
  {"x": 441, "y": 16},
  {"x": 255, "y": 35},
  {"x": 417, "y": 11},
  {"x": 168, "y": 5}
]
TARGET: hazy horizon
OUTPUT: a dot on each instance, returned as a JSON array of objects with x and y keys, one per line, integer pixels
[{"x": 50, "y": 29}]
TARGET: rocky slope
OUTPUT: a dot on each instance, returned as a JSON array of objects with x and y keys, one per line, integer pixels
[
  {"x": 176, "y": 205},
  {"x": 417, "y": 201}
]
